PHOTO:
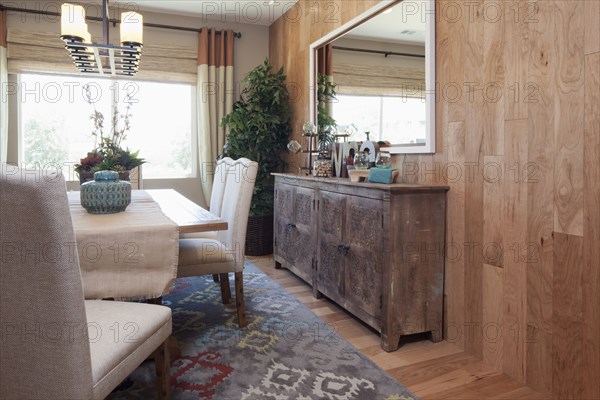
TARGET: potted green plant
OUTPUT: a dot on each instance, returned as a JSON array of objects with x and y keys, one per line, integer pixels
[
  {"x": 326, "y": 126},
  {"x": 259, "y": 126},
  {"x": 108, "y": 153}
]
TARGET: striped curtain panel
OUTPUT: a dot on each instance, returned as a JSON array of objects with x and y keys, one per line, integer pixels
[
  {"x": 3, "y": 88},
  {"x": 325, "y": 56},
  {"x": 215, "y": 98}
]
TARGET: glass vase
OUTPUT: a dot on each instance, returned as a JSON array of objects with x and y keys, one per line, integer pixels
[{"x": 361, "y": 161}]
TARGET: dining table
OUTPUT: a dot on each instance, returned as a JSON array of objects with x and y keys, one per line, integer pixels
[{"x": 133, "y": 255}]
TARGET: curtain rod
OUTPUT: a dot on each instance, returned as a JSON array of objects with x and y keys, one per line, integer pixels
[
  {"x": 385, "y": 53},
  {"x": 112, "y": 21}
]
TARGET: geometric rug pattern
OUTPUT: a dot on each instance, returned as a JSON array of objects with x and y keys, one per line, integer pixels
[{"x": 285, "y": 353}]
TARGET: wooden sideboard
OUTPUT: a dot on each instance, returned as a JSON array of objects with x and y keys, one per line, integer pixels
[{"x": 376, "y": 250}]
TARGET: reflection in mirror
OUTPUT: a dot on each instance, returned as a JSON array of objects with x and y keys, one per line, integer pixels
[{"x": 383, "y": 74}]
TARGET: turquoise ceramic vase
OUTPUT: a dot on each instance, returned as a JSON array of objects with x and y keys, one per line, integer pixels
[{"x": 106, "y": 194}]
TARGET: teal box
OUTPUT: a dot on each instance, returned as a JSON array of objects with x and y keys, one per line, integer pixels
[{"x": 381, "y": 175}]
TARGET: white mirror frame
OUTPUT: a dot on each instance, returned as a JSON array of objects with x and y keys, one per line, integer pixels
[{"x": 430, "y": 84}]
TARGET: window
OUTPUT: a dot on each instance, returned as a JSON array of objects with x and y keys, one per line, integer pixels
[
  {"x": 55, "y": 121},
  {"x": 398, "y": 120}
]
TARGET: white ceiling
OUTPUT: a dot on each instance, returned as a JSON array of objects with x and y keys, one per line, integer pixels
[
  {"x": 404, "y": 24},
  {"x": 260, "y": 12}
]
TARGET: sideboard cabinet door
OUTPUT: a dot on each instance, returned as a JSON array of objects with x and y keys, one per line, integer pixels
[
  {"x": 283, "y": 220},
  {"x": 330, "y": 259},
  {"x": 295, "y": 229},
  {"x": 304, "y": 232},
  {"x": 364, "y": 255}
]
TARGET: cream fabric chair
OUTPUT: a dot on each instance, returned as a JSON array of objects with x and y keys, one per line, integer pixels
[
  {"x": 54, "y": 344},
  {"x": 209, "y": 256},
  {"x": 216, "y": 198},
  {"x": 216, "y": 202}
]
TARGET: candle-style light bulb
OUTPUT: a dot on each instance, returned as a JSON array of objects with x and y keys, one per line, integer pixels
[
  {"x": 132, "y": 28},
  {"x": 72, "y": 21}
]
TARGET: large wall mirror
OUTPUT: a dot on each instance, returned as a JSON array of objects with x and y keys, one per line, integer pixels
[{"x": 383, "y": 66}]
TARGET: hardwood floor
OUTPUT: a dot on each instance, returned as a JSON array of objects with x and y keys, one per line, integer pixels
[{"x": 430, "y": 370}]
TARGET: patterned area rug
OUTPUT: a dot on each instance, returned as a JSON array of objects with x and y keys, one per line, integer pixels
[{"x": 285, "y": 353}]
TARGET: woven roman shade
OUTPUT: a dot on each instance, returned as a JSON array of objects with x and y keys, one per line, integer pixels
[
  {"x": 379, "y": 81},
  {"x": 44, "y": 52}
]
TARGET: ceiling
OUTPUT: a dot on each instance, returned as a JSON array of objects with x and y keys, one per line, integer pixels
[
  {"x": 260, "y": 12},
  {"x": 404, "y": 24}
]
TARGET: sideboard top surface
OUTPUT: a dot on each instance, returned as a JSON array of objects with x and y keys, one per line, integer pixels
[{"x": 394, "y": 187}]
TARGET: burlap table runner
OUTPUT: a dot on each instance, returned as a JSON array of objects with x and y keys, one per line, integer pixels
[{"x": 128, "y": 255}]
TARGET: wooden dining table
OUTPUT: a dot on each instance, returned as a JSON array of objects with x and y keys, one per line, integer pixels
[
  {"x": 134, "y": 254},
  {"x": 189, "y": 216}
]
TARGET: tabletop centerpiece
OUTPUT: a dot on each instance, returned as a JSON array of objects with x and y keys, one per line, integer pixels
[
  {"x": 106, "y": 194},
  {"x": 108, "y": 153}
]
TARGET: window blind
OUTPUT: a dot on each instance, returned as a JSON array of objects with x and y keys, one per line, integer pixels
[
  {"x": 354, "y": 79},
  {"x": 43, "y": 52}
]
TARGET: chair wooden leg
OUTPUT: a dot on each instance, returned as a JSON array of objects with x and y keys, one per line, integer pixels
[
  {"x": 174, "y": 350},
  {"x": 162, "y": 361},
  {"x": 225, "y": 290},
  {"x": 239, "y": 299},
  {"x": 216, "y": 278}
]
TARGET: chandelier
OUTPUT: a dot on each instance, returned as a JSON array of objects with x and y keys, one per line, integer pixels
[{"x": 102, "y": 58}]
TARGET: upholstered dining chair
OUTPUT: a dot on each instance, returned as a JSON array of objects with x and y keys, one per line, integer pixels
[
  {"x": 54, "y": 344},
  {"x": 216, "y": 202},
  {"x": 216, "y": 197},
  {"x": 224, "y": 254}
]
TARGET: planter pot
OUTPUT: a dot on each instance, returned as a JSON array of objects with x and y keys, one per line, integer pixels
[
  {"x": 88, "y": 176},
  {"x": 259, "y": 236}
]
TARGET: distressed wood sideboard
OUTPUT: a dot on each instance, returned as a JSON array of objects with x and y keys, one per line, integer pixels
[{"x": 376, "y": 250}]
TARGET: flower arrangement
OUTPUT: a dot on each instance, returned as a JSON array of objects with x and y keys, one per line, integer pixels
[{"x": 108, "y": 153}]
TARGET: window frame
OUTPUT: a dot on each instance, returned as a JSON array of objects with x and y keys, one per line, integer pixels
[
  {"x": 380, "y": 98},
  {"x": 121, "y": 81}
]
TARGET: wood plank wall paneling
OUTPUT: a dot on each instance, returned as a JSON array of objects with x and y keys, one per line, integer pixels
[
  {"x": 473, "y": 78},
  {"x": 545, "y": 133},
  {"x": 540, "y": 217},
  {"x": 592, "y": 27},
  {"x": 569, "y": 100},
  {"x": 493, "y": 64},
  {"x": 450, "y": 111},
  {"x": 492, "y": 316},
  {"x": 566, "y": 320},
  {"x": 591, "y": 230},
  {"x": 514, "y": 217},
  {"x": 493, "y": 243},
  {"x": 516, "y": 61},
  {"x": 454, "y": 314}
]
